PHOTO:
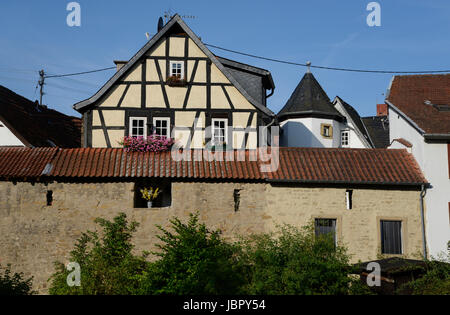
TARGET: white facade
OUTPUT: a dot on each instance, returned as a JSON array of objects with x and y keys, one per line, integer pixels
[
  {"x": 356, "y": 138},
  {"x": 306, "y": 132},
  {"x": 7, "y": 138},
  {"x": 433, "y": 161}
]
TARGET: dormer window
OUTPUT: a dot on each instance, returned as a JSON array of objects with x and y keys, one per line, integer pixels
[
  {"x": 177, "y": 69},
  {"x": 345, "y": 138}
]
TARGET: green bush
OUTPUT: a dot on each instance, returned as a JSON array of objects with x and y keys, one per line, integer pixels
[
  {"x": 193, "y": 261},
  {"x": 295, "y": 262},
  {"x": 107, "y": 263},
  {"x": 14, "y": 284},
  {"x": 435, "y": 281}
]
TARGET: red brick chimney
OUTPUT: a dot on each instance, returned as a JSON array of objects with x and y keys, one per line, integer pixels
[{"x": 382, "y": 110}]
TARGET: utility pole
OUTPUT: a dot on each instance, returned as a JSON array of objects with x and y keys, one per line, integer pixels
[{"x": 41, "y": 83}]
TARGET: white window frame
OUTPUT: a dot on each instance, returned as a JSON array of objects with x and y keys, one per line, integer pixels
[
  {"x": 167, "y": 119},
  {"x": 346, "y": 131},
  {"x": 182, "y": 68},
  {"x": 130, "y": 131},
  {"x": 213, "y": 133}
]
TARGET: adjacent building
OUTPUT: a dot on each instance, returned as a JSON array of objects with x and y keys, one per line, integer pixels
[
  {"x": 174, "y": 86},
  {"x": 369, "y": 200},
  {"x": 27, "y": 124},
  {"x": 419, "y": 120},
  {"x": 310, "y": 119}
]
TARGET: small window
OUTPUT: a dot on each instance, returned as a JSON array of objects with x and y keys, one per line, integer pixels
[
  {"x": 161, "y": 126},
  {"x": 325, "y": 227},
  {"x": 219, "y": 130},
  {"x": 49, "y": 197},
  {"x": 349, "y": 198},
  {"x": 177, "y": 69},
  {"x": 391, "y": 237},
  {"x": 345, "y": 137},
  {"x": 163, "y": 199},
  {"x": 138, "y": 126},
  {"x": 326, "y": 130}
]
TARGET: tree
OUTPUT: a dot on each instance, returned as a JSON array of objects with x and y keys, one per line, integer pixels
[
  {"x": 295, "y": 261},
  {"x": 14, "y": 284},
  {"x": 193, "y": 260},
  {"x": 107, "y": 263}
]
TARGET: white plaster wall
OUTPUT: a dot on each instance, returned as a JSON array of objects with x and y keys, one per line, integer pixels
[
  {"x": 305, "y": 132},
  {"x": 433, "y": 160},
  {"x": 355, "y": 140},
  {"x": 7, "y": 138}
]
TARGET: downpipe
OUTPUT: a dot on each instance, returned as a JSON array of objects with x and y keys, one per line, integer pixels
[{"x": 423, "y": 192}]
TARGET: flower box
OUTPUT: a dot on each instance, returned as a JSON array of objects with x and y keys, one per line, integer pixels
[{"x": 176, "y": 81}]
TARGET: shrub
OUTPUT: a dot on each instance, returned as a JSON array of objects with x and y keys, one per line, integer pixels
[
  {"x": 294, "y": 261},
  {"x": 107, "y": 263},
  {"x": 435, "y": 281},
  {"x": 193, "y": 260},
  {"x": 153, "y": 143},
  {"x": 14, "y": 284}
]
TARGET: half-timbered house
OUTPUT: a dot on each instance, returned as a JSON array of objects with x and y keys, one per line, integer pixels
[{"x": 174, "y": 86}]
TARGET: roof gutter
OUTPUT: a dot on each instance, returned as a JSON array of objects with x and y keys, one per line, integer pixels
[
  {"x": 436, "y": 136},
  {"x": 307, "y": 181}
]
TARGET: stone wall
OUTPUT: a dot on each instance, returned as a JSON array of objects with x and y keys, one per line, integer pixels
[{"x": 34, "y": 235}]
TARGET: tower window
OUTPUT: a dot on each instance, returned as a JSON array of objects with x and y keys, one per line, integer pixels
[{"x": 326, "y": 130}]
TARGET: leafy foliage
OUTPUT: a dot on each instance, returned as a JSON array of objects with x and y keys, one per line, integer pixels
[
  {"x": 193, "y": 260},
  {"x": 435, "y": 281},
  {"x": 14, "y": 284},
  {"x": 295, "y": 262},
  {"x": 107, "y": 263}
]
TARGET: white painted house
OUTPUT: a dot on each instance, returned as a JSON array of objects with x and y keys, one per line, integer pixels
[
  {"x": 7, "y": 137},
  {"x": 310, "y": 119},
  {"x": 419, "y": 120}
]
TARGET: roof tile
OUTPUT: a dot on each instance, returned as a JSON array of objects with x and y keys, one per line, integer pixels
[{"x": 314, "y": 165}]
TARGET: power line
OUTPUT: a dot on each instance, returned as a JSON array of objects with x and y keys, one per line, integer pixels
[
  {"x": 322, "y": 67},
  {"x": 273, "y": 60},
  {"x": 78, "y": 73}
]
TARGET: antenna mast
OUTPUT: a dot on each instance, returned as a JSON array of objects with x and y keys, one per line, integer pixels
[{"x": 41, "y": 83}]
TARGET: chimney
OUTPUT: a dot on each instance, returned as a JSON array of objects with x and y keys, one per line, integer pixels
[
  {"x": 119, "y": 64},
  {"x": 382, "y": 110}
]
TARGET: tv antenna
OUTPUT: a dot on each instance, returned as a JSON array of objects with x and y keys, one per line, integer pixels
[{"x": 169, "y": 14}]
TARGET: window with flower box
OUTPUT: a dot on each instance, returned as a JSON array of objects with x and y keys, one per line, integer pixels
[
  {"x": 138, "y": 127},
  {"x": 161, "y": 126}
]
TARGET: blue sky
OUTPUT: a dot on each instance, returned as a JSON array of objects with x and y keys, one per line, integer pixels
[{"x": 414, "y": 35}]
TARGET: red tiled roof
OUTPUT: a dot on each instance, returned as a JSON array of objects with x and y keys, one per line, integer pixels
[
  {"x": 409, "y": 92},
  {"x": 358, "y": 166},
  {"x": 118, "y": 163},
  {"x": 339, "y": 165},
  {"x": 38, "y": 126},
  {"x": 19, "y": 162}
]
